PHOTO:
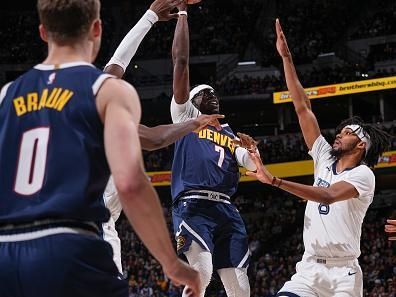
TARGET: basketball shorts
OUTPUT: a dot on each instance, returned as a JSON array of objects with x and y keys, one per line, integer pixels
[
  {"x": 325, "y": 278},
  {"x": 217, "y": 227},
  {"x": 46, "y": 263}
]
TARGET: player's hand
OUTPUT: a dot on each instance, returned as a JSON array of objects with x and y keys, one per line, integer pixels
[
  {"x": 391, "y": 228},
  {"x": 182, "y": 6},
  {"x": 208, "y": 119},
  {"x": 281, "y": 43},
  {"x": 261, "y": 174},
  {"x": 246, "y": 141},
  {"x": 163, "y": 9},
  {"x": 182, "y": 274}
]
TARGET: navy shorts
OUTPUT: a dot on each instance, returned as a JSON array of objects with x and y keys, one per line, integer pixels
[
  {"x": 215, "y": 226},
  {"x": 62, "y": 264}
]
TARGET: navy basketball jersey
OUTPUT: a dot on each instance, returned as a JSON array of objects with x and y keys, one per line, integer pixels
[
  {"x": 52, "y": 157},
  {"x": 205, "y": 161}
]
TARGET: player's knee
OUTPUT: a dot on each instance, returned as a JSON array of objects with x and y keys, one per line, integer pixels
[
  {"x": 235, "y": 281},
  {"x": 201, "y": 260},
  {"x": 205, "y": 270}
]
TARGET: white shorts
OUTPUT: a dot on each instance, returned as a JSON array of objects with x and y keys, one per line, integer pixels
[
  {"x": 315, "y": 278},
  {"x": 111, "y": 236}
]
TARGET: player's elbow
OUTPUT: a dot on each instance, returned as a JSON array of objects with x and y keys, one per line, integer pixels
[
  {"x": 301, "y": 110},
  {"x": 181, "y": 61},
  {"x": 327, "y": 197},
  {"x": 154, "y": 143},
  {"x": 129, "y": 185}
]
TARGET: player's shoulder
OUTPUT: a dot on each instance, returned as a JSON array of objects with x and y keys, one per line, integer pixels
[
  {"x": 227, "y": 129},
  {"x": 363, "y": 170},
  {"x": 113, "y": 86},
  {"x": 117, "y": 92}
]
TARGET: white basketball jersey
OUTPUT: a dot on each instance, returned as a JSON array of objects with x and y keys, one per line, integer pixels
[
  {"x": 334, "y": 230},
  {"x": 110, "y": 234}
]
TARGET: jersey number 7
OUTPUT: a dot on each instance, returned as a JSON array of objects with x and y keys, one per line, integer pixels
[{"x": 221, "y": 157}]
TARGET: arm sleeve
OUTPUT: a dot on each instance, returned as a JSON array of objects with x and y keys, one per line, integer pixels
[
  {"x": 183, "y": 112},
  {"x": 244, "y": 160},
  {"x": 363, "y": 179},
  {"x": 129, "y": 45},
  {"x": 320, "y": 150}
]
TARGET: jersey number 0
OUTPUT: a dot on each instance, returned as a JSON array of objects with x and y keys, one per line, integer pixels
[{"x": 31, "y": 161}]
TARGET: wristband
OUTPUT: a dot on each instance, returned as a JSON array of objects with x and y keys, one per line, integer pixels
[
  {"x": 182, "y": 12},
  {"x": 273, "y": 182}
]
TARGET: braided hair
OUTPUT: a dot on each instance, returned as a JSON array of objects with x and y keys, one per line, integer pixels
[{"x": 379, "y": 139}]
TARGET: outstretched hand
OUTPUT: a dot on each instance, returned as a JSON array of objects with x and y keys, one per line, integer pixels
[
  {"x": 281, "y": 43},
  {"x": 391, "y": 228},
  {"x": 246, "y": 141},
  {"x": 209, "y": 119},
  {"x": 163, "y": 9},
  {"x": 261, "y": 174}
]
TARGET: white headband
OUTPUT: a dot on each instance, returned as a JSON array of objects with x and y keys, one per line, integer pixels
[
  {"x": 198, "y": 89},
  {"x": 358, "y": 130}
]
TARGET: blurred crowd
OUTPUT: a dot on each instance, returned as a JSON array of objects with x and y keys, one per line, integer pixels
[
  {"x": 21, "y": 42},
  {"x": 217, "y": 27},
  {"x": 274, "y": 222},
  {"x": 379, "y": 24},
  {"x": 233, "y": 85}
]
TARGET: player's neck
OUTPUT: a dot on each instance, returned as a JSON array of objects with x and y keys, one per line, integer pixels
[
  {"x": 60, "y": 54},
  {"x": 347, "y": 162}
]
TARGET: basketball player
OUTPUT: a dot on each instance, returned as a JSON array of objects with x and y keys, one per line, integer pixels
[
  {"x": 208, "y": 228},
  {"x": 59, "y": 122},
  {"x": 338, "y": 201},
  {"x": 151, "y": 138},
  {"x": 391, "y": 229}
]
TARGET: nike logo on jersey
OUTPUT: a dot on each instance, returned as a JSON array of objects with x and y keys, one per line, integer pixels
[
  {"x": 218, "y": 138},
  {"x": 351, "y": 273},
  {"x": 51, "y": 78}
]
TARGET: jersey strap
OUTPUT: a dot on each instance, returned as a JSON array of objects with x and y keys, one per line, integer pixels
[{"x": 99, "y": 82}]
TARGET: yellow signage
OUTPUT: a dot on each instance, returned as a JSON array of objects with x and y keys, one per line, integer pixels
[
  {"x": 282, "y": 170},
  {"x": 361, "y": 86}
]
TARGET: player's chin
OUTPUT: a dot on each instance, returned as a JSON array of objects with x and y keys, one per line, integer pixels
[
  {"x": 336, "y": 152},
  {"x": 214, "y": 110}
]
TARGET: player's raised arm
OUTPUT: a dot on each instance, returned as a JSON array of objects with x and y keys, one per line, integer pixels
[
  {"x": 119, "y": 108},
  {"x": 159, "y": 11},
  {"x": 308, "y": 122},
  {"x": 180, "y": 57},
  {"x": 339, "y": 191}
]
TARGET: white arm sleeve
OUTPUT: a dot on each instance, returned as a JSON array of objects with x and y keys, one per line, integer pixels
[
  {"x": 183, "y": 112},
  {"x": 128, "y": 46},
  {"x": 244, "y": 160}
]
